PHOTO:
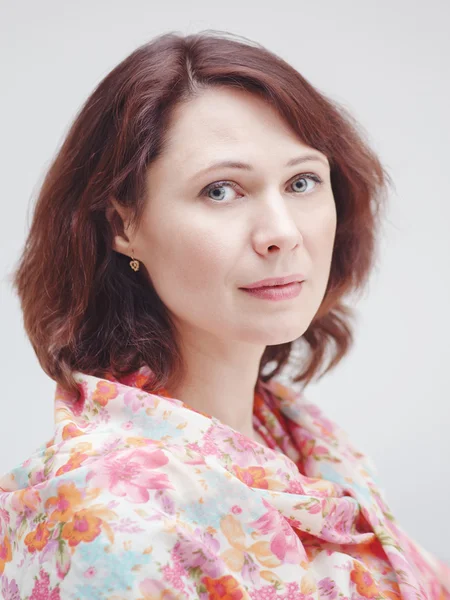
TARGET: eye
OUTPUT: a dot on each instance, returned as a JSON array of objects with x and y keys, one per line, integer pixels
[
  {"x": 218, "y": 186},
  {"x": 308, "y": 177}
]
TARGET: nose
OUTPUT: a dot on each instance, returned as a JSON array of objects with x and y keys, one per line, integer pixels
[{"x": 277, "y": 229}]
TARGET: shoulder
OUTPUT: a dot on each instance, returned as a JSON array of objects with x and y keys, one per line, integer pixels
[
  {"x": 132, "y": 523},
  {"x": 107, "y": 525},
  {"x": 97, "y": 548}
]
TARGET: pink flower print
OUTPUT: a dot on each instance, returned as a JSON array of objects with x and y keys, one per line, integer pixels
[
  {"x": 10, "y": 590},
  {"x": 327, "y": 589},
  {"x": 201, "y": 550},
  {"x": 268, "y": 521},
  {"x": 339, "y": 523},
  {"x": 295, "y": 487},
  {"x": 90, "y": 572},
  {"x": 321, "y": 451},
  {"x": 127, "y": 425},
  {"x": 209, "y": 448},
  {"x": 41, "y": 589},
  {"x": 285, "y": 544},
  {"x": 174, "y": 573},
  {"x": 37, "y": 477},
  {"x": 130, "y": 474},
  {"x": 236, "y": 510},
  {"x": 231, "y": 442},
  {"x": 244, "y": 443},
  {"x": 77, "y": 406},
  {"x": 136, "y": 399},
  {"x": 316, "y": 507},
  {"x": 193, "y": 446},
  {"x": 4, "y": 519},
  {"x": 132, "y": 400}
]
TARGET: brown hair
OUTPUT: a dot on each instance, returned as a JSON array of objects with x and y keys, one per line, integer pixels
[{"x": 84, "y": 308}]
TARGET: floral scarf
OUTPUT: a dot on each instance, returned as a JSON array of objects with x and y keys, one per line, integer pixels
[{"x": 139, "y": 496}]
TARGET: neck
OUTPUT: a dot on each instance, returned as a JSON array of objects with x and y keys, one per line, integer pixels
[{"x": 220, "y": 381}]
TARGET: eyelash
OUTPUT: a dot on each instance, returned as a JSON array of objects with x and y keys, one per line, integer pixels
[{"x": 226, "y": 183}]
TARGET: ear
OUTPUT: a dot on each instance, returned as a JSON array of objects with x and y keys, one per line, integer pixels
[{"x": 117, "y": 216}]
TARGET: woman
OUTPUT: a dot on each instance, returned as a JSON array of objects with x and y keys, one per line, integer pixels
[{"x": 207, "y": 209}]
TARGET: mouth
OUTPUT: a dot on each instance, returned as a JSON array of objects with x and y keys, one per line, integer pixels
[
  {"x": 284, "y": 291},
  {"x": 268, "y": 287},
  {"x": 274, "y": 282}
]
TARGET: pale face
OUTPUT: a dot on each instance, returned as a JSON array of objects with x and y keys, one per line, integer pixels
[{"x": 200, "y": 246}]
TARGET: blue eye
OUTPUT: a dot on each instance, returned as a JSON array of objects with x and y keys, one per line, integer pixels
[{"x": 218, "y": 185}]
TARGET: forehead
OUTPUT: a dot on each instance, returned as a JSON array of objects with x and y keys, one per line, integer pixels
[{"x": 223, "y": 123}]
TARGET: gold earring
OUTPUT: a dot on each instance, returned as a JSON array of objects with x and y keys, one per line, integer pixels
[{"x": 134, "y": 264}]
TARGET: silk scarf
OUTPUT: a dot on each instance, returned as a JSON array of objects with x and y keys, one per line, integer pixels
[{"x": 140, "y": 496}]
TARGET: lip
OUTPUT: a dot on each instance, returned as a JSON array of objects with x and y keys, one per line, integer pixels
[
  {"x": 276, "y": 292},
  {"x": 274, "y": 281}
]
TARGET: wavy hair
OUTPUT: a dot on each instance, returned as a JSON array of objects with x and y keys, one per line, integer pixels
[{"x": 83, "y": 307}]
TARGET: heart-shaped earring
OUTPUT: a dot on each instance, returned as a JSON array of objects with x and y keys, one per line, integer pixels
[{"x": 134, "y": 264}]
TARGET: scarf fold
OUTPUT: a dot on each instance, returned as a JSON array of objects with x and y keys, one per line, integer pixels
[{"x": 140, "y": 496}]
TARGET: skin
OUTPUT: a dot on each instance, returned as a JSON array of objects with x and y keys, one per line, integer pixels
[{"x": 200, "y": 248}]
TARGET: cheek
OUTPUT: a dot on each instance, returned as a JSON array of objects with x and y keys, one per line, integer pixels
[
  {"x": 200, "y": 260},
  {"x": 319, "y": 239},
  {"x": 186, "y": 259}
]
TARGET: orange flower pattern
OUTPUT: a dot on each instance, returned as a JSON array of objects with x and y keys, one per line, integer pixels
[{"x": 139, "y": 496}]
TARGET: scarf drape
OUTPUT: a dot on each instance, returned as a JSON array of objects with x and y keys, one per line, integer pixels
[{"x": 139, "y": 496}]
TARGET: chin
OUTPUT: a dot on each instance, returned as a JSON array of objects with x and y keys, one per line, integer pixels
[
  {"x": 285, "y": 339},
  {"x": 276, "y": 335}
]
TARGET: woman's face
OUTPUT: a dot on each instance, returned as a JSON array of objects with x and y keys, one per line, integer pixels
[{"x": 200, "y": 246}]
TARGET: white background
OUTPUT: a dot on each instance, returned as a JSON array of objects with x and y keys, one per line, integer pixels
[{"x": 389, "y": 63}]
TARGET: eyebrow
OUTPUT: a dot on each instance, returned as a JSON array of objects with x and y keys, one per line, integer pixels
[{"x": 233, "y": 164}]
